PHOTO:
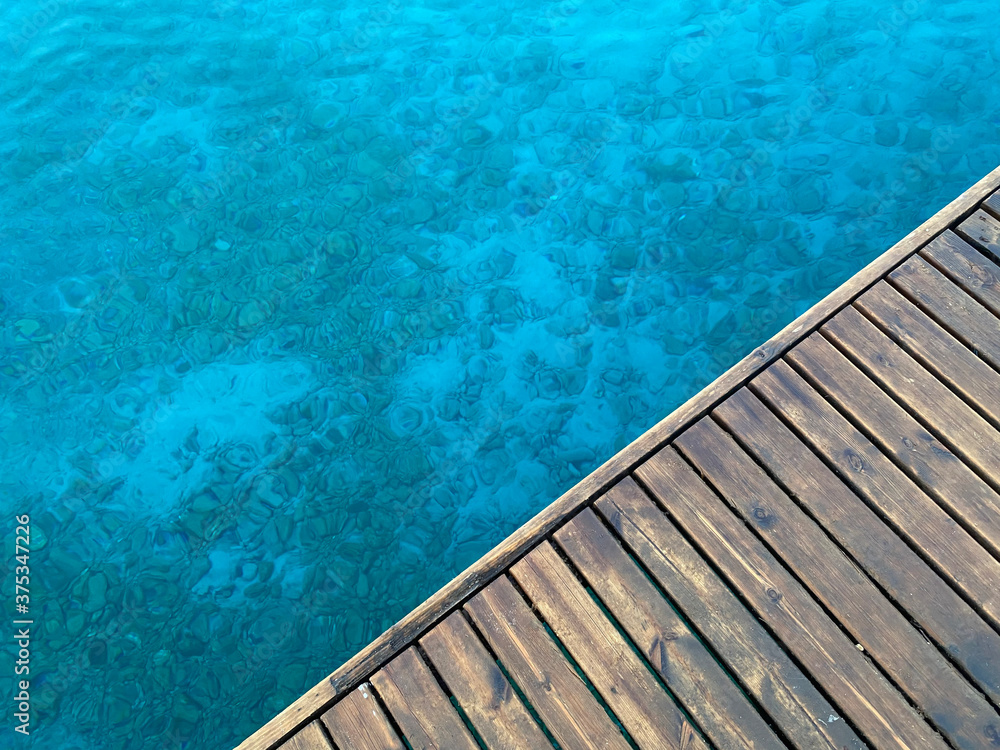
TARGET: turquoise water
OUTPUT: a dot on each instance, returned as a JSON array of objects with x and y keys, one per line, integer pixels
[{"x": 305, "y": 306}]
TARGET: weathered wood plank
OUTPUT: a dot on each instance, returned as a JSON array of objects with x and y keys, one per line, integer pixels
[
  {"x": 358, "y": 722},
  {"x": 805, "y": 717},
  {"x": 355, "y": 670},
  {"x": 938, "y": 471},
  {"x": 956, "y": 555},
  {"x": 962, "y": 429},
  {"x": 694, "y": 677},
  {"x": 561, "y": 699},
  {"x": 310, "y": 737},
  {"x": 984, "y": 230},
  {"x": 965, "y": 319},
  {"x": 993, "y": 203},
  {"x": 479, "y": 686},
  {"x": 420, "y": 708},
  {"x": 967, "y": 267},
  {"x": 917, "y": 667},
  {"x": 931, "y": 602},
  {"x": 644, "y": 709},
  {"x": 934, "y": 347},
  {"x": 863, "y": 694}
]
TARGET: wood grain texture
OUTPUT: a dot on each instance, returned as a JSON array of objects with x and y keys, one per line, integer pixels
[
  {"x": 693, "y": 675},
  {"x": 946, "y": 303},
  {"x": 983, "y": 230},
  {"x": 644, "y": 709},
  {"x": 929, "y": 600},
  {"x": 355, "y": 670},
  {"x": 863, "y": 694},
  {"x": 992, "y": 204},
  {"x": 419, "y": 706},
  {"x": 967, "y": 267},
  {"x": 938, "y": 471},
  {"x": 956, "y": 710},
  {"x": 962, "y": 430},
  {"x": 479, "y": 686},
  {"x": 765, "y": 671},
  {"x": 358, "y": 722},
  {"x": 956, "y": 555},
  {"x": 561, "y": 699},
  {"x": 311, "y": 737},
  {"x": 934, "y": 347}
]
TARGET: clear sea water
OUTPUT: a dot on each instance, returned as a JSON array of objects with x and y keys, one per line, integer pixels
[{"x": 306, "y": 305}]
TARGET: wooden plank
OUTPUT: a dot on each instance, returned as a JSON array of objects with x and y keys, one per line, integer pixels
[
  {"x": 479, "y": 686},
  {"x": 550, "y": 684},
  {"x": 956, "y": 555},
  {"x": 984, "y": 230},
  {"x": 962, "y": 316},
  {"x": 358, "y": 722},
  {"x": 962, "y": 429},
  {"x": 931, "y": 602},
  {"x": 934, "y": 347},
  {"x": 693, "y": 675},
  {"x": 419, "y": 706},
  {"x": 936, "y": 469},
  {"x": 992, "y": 203},
  {"x": 967, "y": 267},
  {"x": 863, "y": 694},
  {"x": 400, "y": 635},
  {"x": 960, "y": 713},
  {"x": 310, "y": 737},
  {"x": 626, "y": 685},
  {"x": 766, "y": 672}
]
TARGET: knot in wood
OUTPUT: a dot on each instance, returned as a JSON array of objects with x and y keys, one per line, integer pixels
[
  {"x": 992, "y": 734},
  {"x": 760, "y": 514},
  {"x": 773, "y": 594},
  {"x": 855, "y": 460}
]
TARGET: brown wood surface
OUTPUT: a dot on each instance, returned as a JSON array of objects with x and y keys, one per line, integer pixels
[
  {"x": 871, "y": 702},
  {"x": 992, "y": 204},
  {"x": 765, "y": 671},
  {"x": 559, "y": 696},
  {"x": 939, "y": 351},
  {"x": 936, "y": 469},
  {"x": 310, "y": 737},
  {"x": 619, "y": 675},
  {"x": 693, "y": 675},
  {"x": 963, "y": 431},
  {"x": 419, "y": 706},
  {"x": 956, "y": 555},
  {"x": 914, "y": 664},
  {"x": 904, "y": 575},
  {"x": 962, "y": 316},
  {"x": 411, "y": 627},
  {"x": 358, "y": 722},
  {"x": 982, "y": 229},
  {"x": 966, "y": 266},
  {"x": 480, "y": 687}
]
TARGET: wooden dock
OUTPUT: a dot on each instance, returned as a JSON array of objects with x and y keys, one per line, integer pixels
[{"x": 806, "y": 555}]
